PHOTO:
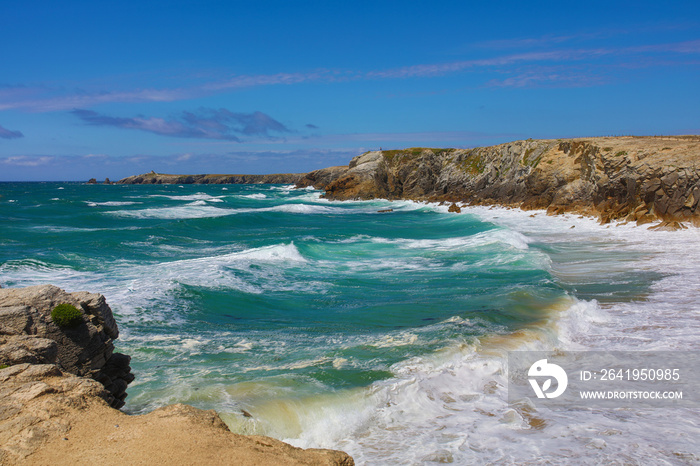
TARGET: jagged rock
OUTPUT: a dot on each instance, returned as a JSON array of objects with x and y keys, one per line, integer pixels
[
  {"x": 319, "y": 179},
  {"x": 454, "y": 208},
  {"x": 92, "y": 181},
  {"x": 86, "y": 350},
  {"x": 606, "y": 177},
  {"x": 668, "y": 226}
]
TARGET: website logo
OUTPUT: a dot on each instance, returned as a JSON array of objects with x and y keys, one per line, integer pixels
[{"x": 542, "y": 368}]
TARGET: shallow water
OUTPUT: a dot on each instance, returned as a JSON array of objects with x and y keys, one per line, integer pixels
[{"x": 383, "y": 334}]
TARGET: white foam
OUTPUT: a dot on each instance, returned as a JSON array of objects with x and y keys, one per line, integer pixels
[
  {"x": 390, "y": 341},
  {"x": 182, "y": 212},
  {"x": 192, "y": 197},
  {"x": 133, "y": 287},
  {"x": 256, "y": 196},
  {"x": 304, "y": 209},
  {"x": 285, "y": 189},
  {"x": 451, "y": 406},
  {"x": 111, "y": 203}
]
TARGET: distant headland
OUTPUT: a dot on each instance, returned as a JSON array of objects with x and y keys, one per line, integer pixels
[{"x": 642, "y": 179}]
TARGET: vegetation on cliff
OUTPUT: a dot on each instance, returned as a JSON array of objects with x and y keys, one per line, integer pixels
[{"x": 66, "y": 315}]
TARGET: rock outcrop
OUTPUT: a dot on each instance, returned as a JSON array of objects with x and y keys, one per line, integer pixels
[
  {"x": 640, "y": 179},
  {"x": 29, "y": 335},
  {"x": 161, "y": 178},
  {"x": 59, "y": 388},
  {"x": 319, "y": 179}
]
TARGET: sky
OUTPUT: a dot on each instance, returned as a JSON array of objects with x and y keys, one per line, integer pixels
[{"x": 116, "y": 88}]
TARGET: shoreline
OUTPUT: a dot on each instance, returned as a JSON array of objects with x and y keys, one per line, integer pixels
[
  {"x": 538, "y": 216},
  {"x": 645, "y": 179}
]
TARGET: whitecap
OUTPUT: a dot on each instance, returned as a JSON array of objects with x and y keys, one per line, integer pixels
[
  {"x": 182, "y": 212},
  {"x": 192, "y": 197},
  {"x": 255, "y": 196},
  {"x": 111, "y": 203}
]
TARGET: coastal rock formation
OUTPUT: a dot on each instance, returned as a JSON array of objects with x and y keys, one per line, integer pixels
[
  {"x": 319, "y": 179},
  {"x": 59, "y": 387},
  {"x": 640, "y": 179},
  {"x": 29, "y": 335},
  {"x": 161, "y": 178}
]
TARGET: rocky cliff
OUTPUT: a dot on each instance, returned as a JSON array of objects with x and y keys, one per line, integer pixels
[
  {"x": 28, "y": 334},
  {"x": 161, "y": 178},
  {"x": 59, "y": 386},
  {"x": 640, "y": 179}
]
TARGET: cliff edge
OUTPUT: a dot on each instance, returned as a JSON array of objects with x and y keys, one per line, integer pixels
[
  {"x": 640, "y": 179},
  {"x": 60, "y": 385}
]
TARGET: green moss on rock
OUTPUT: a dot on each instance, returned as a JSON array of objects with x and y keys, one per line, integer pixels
[{"x": 66, "y": 316}]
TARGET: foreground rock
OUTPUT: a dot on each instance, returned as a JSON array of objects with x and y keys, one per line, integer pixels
[
  {"x": 29, "y": 335},
  {"x": 59, "y": 387},
  {"x": 640, "y": 179},
  {"x": 161, "y": 178}
]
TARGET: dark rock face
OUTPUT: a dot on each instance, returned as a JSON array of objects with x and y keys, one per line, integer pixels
[
  {"x": 633, "y": 178},
  {"x": 28, "y": 335}
]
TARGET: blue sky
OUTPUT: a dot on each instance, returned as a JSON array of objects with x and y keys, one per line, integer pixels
[{"x": 111, "y": 89}]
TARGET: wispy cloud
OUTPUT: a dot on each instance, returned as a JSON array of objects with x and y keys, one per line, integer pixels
[
  {"x": 205, "y": 123},
  {"x": 27, "y": 161},
  {"x": 545, "y": 50},
  {"x": 41, "y": 99},
  {"x": 9, "y": 134},
  {"x": 550, "y": 76},
  {"x": 242, "y": 81}
]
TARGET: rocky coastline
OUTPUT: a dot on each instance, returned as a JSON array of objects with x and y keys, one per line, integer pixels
[
  {"x": 641, "y": 179},
  {"x": 634, "y": 179},
  {"x": 162, "y": 178},
  {"x": 61, "y": 387}
]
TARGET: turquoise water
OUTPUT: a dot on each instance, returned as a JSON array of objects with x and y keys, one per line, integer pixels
[
  {"x": 282, "y": 310},
  {"x": 271, "y": 284}
]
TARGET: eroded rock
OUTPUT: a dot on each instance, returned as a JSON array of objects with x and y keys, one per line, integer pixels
[
  {"x": 27, "y": 332},
  {"x": 606, "y": 177}
]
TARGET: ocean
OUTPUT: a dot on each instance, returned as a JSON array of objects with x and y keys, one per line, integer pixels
[{"x": 383, "y": 334}]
